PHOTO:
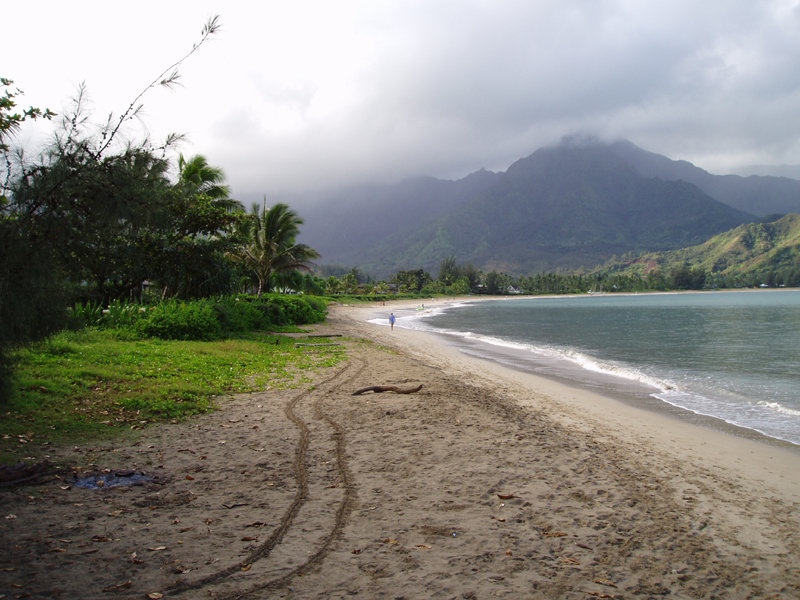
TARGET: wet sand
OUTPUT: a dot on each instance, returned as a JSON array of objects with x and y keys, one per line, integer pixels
[{"x": 485, "y": 483}]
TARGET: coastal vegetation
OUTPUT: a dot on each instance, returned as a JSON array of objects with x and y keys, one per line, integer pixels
[
  {"x": 268, "y": 246},
  {"x": 81, "y": 386},
  {"x": 125, "y": 293},
  {"x": 750, "y": 255}
]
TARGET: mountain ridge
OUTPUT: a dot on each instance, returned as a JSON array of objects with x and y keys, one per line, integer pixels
[{"x": 566, "y": 206}]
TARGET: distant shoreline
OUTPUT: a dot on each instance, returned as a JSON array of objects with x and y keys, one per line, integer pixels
[
  {"x": 632, "y": 393},
  {"x": 639, "y": 401}
]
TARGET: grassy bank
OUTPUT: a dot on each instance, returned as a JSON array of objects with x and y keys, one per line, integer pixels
[{"x": 90, "y": 385}]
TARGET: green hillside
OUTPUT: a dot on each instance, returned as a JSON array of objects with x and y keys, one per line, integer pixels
[
  {"x": 753, "y": 248},
  {"x": 564, "y": 207}
]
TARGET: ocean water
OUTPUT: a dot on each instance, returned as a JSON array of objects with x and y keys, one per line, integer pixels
[{"x": 733, "y": 356}]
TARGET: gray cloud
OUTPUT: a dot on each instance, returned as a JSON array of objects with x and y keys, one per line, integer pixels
[{"x": 327, "y": 93}]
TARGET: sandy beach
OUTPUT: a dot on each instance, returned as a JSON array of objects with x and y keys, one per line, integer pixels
[{"x": 483, "y": 483}]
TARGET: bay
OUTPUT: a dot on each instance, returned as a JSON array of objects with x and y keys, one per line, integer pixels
[{"x": 732, "y": 356}]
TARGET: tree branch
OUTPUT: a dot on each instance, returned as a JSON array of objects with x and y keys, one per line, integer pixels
[{"x": 211, "y": 27}]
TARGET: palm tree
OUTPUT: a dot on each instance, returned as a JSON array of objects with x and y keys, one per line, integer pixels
[
  {"x": 334, "y": 285},
  {"x": 201, "y": 178},
  {"x": 268, "y": 244}
]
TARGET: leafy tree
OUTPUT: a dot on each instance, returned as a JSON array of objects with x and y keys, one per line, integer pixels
[
  {"x": 412, "y": 281},
  {"x": 350, "y": 283},
  {"x": 494, "y": 283},
  {"x": 200, "y": 218},
  {"x": 359, "y": 276},
  {"x": 656, "y": 281},
  {"x": 11, "y": 122},
  {"x": 268, "y": 244},
  {"x": 76, "y": 198},
  {"x": 461, "y": 287},
  {"x": 313, "y": 284},
  {"x": 448, "y": 270},
  {"x": 333, "y": 284},
  {"x": 687, "y": 278}
]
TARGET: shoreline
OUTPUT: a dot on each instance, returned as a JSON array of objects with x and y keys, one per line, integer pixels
[
  {"x": 465, "y": 480},
  {"x": 636, "y": 394},
  {"x": 672, "y": 430}
]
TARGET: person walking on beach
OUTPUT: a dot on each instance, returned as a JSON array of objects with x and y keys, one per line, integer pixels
[{"x": 391, "y": 320}]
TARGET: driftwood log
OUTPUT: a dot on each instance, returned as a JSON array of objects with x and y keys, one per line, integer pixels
[
  {"x": 323, "y": 335},
  {"x": 388, "y": 388}
]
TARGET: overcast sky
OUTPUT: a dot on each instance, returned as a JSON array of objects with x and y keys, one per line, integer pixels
[{"x": 291, "y": 94}]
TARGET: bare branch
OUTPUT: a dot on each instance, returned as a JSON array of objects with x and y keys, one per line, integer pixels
[{"x": 210, "y": 28}]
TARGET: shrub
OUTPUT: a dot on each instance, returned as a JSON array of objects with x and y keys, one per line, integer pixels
[
  {"x": 279, "y": 309},
  {"x": 200, "y": 319},
  {"x": 237, "y": 316},
  {"x": 120, "y": 315},
  {"x": 181, "y": 321},
  {"x": 84, "y": 315}
]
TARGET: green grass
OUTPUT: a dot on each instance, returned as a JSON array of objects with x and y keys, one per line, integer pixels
[{"x": 90, "y": 385}]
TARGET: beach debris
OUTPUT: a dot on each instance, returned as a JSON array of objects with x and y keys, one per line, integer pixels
[
  {"x": 323, "y": 335},
  {"x": 424, "y": 546},
  {"x": 390, "y": 541},
  {"x": 378, "y": 389},
  {"x": 119, "y": 586},
  {"x": 257, "y": 524},
  {"x": 507, "y": 496},
  {"x": 109, "y": 479},
  {"x": 554, "y": 534},
  {"x": 607, "y": 582}
]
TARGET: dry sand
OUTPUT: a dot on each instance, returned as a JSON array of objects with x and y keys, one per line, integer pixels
[{"x": 486, "y": 483}]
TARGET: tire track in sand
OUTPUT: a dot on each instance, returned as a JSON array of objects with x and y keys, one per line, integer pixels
[{"x": 356, "y": 366}]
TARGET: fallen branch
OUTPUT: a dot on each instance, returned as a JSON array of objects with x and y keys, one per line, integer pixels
[
  {"x": 388, "y": 388},
  {"x": 323, "y": 335}
]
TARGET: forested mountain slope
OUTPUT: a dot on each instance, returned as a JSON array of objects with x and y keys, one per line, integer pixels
[{"x": 575, "y": 204}]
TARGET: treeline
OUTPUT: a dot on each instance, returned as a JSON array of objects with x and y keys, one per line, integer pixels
[{"x": 455, "y": 279}]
